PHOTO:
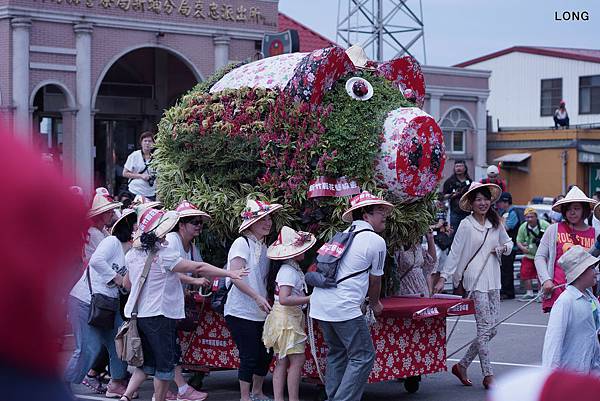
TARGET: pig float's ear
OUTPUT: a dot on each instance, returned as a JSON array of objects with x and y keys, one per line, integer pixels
[
  {"x": 317, "y": 72},
  {"x": 406, "y": 73}
]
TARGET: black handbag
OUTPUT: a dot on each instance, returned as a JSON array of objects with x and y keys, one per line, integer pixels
[{"x": 103, "y": 309}]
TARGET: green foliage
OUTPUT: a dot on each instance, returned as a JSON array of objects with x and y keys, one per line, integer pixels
[
  {"x": 217, "y": 150},
  {"x": 354, "y": 128}
]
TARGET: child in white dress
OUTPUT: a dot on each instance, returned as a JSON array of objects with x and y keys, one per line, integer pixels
[{"x": 284, "y": 329}]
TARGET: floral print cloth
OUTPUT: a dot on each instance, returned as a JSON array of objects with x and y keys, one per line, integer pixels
[
  {"x": 406, "y": 73},
  {"x": 272, "y": 72},
  {"x": 413, "y": 265},
  {"x": 412, "y": 153},
  {"x": 487, "y": 306},
  {"x": 317, "y": 73},
  {"x": 404, "y": 347}
]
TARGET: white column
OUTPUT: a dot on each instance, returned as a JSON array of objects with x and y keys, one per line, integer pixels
[
  {"x": 434, "y": 105},
  {"x": 481, "y": 130},
  {"x": 84, "y": 128},
  {"x": 20, "y": 77},
  {"x": 221, "y": 51}
]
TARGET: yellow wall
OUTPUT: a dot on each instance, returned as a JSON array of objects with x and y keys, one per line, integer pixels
[{"x": 545, "y": 165}]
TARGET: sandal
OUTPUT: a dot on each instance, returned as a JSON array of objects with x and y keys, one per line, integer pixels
[
  {"x": 126, "y": 398},
  {"x": 94, "y": 384}
]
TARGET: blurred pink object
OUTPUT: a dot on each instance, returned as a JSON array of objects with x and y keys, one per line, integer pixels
[
  {"x": 545, "y": 385},
  {"x": 41, "y": 237}
]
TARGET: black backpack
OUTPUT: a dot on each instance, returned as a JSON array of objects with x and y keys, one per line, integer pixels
[
  {"x": 329, "y": 258},
  {"x": 221, "y": 290}
]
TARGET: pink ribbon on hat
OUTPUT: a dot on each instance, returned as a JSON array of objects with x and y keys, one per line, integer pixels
[
  {"x": 149, "y": 217},
  {"x": 185, "y": 205}
]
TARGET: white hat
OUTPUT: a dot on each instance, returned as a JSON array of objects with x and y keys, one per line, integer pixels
[
  {"x": 575, "y": 195},
  {"x": 493, "y": 170},
  {"x": 256, "y": 210},
  {"x": 575, "y": 261},
  {"x": 102, "y": 202},
  {"x": 140, "y": 200},
  {"x": 357, "y": 55},
  {"x": 187, "y": 209},
  {"x": 465, "y": 203},
  {"x": 290, "y": 243},
  {"x": 124, "y": 215},
  {"x": 365, "y": 198},
  {"x": 155, "y": 221}
]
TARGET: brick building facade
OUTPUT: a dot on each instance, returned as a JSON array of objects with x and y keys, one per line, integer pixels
[{"x": 89, "y": 75}]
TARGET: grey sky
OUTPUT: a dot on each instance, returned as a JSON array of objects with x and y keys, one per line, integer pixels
[{"x": 459, "y": 30}]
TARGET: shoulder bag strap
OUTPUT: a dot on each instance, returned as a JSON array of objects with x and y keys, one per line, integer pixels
[
  {"x": 89, "y": 280},
  {"x": 476, "y": 252},
  {"x": 142, "y": 281}
]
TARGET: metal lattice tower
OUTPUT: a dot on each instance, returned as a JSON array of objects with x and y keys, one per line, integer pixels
[{"x": 384, "y": 28}]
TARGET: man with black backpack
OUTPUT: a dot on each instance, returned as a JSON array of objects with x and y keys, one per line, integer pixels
[{"x": 337, "y": 304}]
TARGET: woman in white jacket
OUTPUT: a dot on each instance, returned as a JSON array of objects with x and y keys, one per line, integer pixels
[{"x": 474, "y": 262}]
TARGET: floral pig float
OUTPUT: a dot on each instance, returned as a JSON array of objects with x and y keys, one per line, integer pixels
[{"x": 273, "y": 127}]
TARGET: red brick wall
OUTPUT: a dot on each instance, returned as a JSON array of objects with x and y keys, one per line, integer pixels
[
  {"x": 241, "y": 49},
  {"x": 52, "y": 34}
]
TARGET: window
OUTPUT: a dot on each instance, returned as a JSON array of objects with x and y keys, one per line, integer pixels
[
  {"x": 455, "y": 126},
  {"x": 589, "y": 95},
  {"x": 551, "y": 96}
]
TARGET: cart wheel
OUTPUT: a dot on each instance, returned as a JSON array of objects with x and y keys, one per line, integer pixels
[
  {"x": 411, "y": 384},
  {"x": 321, "y": 394},
  {"x": 196, "y": 380}
]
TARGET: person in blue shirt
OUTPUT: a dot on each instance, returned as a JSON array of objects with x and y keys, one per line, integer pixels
[
  {"x": 512, "y": 221},
  {"x": 571, "y": 341}
]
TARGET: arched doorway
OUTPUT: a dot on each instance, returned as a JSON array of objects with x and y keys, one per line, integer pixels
[
  {"x": 53, "y": 118},
  {"x": 130, "y": 99}
]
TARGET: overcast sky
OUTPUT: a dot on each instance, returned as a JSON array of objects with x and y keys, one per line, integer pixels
[{"x": 460, "y": 30}]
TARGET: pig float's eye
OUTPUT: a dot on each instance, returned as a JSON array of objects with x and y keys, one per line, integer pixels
[{"x": 359, "y": 88}]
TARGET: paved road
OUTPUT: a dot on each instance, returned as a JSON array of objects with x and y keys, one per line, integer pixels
[{"x": 517, "y": 345}]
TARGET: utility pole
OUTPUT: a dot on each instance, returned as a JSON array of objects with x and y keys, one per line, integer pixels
[{"x": 384, "y": 28}]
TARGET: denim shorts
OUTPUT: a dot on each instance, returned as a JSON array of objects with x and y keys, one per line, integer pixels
[{"x": 159, "y": 343}]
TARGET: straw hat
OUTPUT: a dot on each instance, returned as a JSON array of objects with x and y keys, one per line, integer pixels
[
  {"x": 155, "y": 221},
  {"x": 187, "y": 209},
  {"x": 464, "y": 202},
  {"x": 529, "y": 210},
  {"x": 575, "y": 195},
  {"x": 140, "y": 200},
  {"x": 575, "y": 261},
  {"x": 357, "y": 55},
  {"x": 365, "y": 198},
  {"x": 102, "y": 202},
  {"x": 290, "y": 243},
  {"x": 124, "y": 214},
  {"x": 256, "y": 210}
]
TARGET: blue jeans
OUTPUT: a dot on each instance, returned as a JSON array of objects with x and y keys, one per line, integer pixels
[
  {"x": 88, "y": 343},
  {"x": 350, "y": 358}
]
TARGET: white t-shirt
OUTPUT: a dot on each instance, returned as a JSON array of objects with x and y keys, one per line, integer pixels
[
  {"x": 162, "y": 294},
  {"x": 255, "y": 254},
  {"x": 174, "y": 242},
  {"x": 106, "y": 262},
  {"x": 343, "y": 302},
  {"x": 293, "y": 277},
  {"x": 95, "y": 236},
  {"x": 136, "y": 164}
]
